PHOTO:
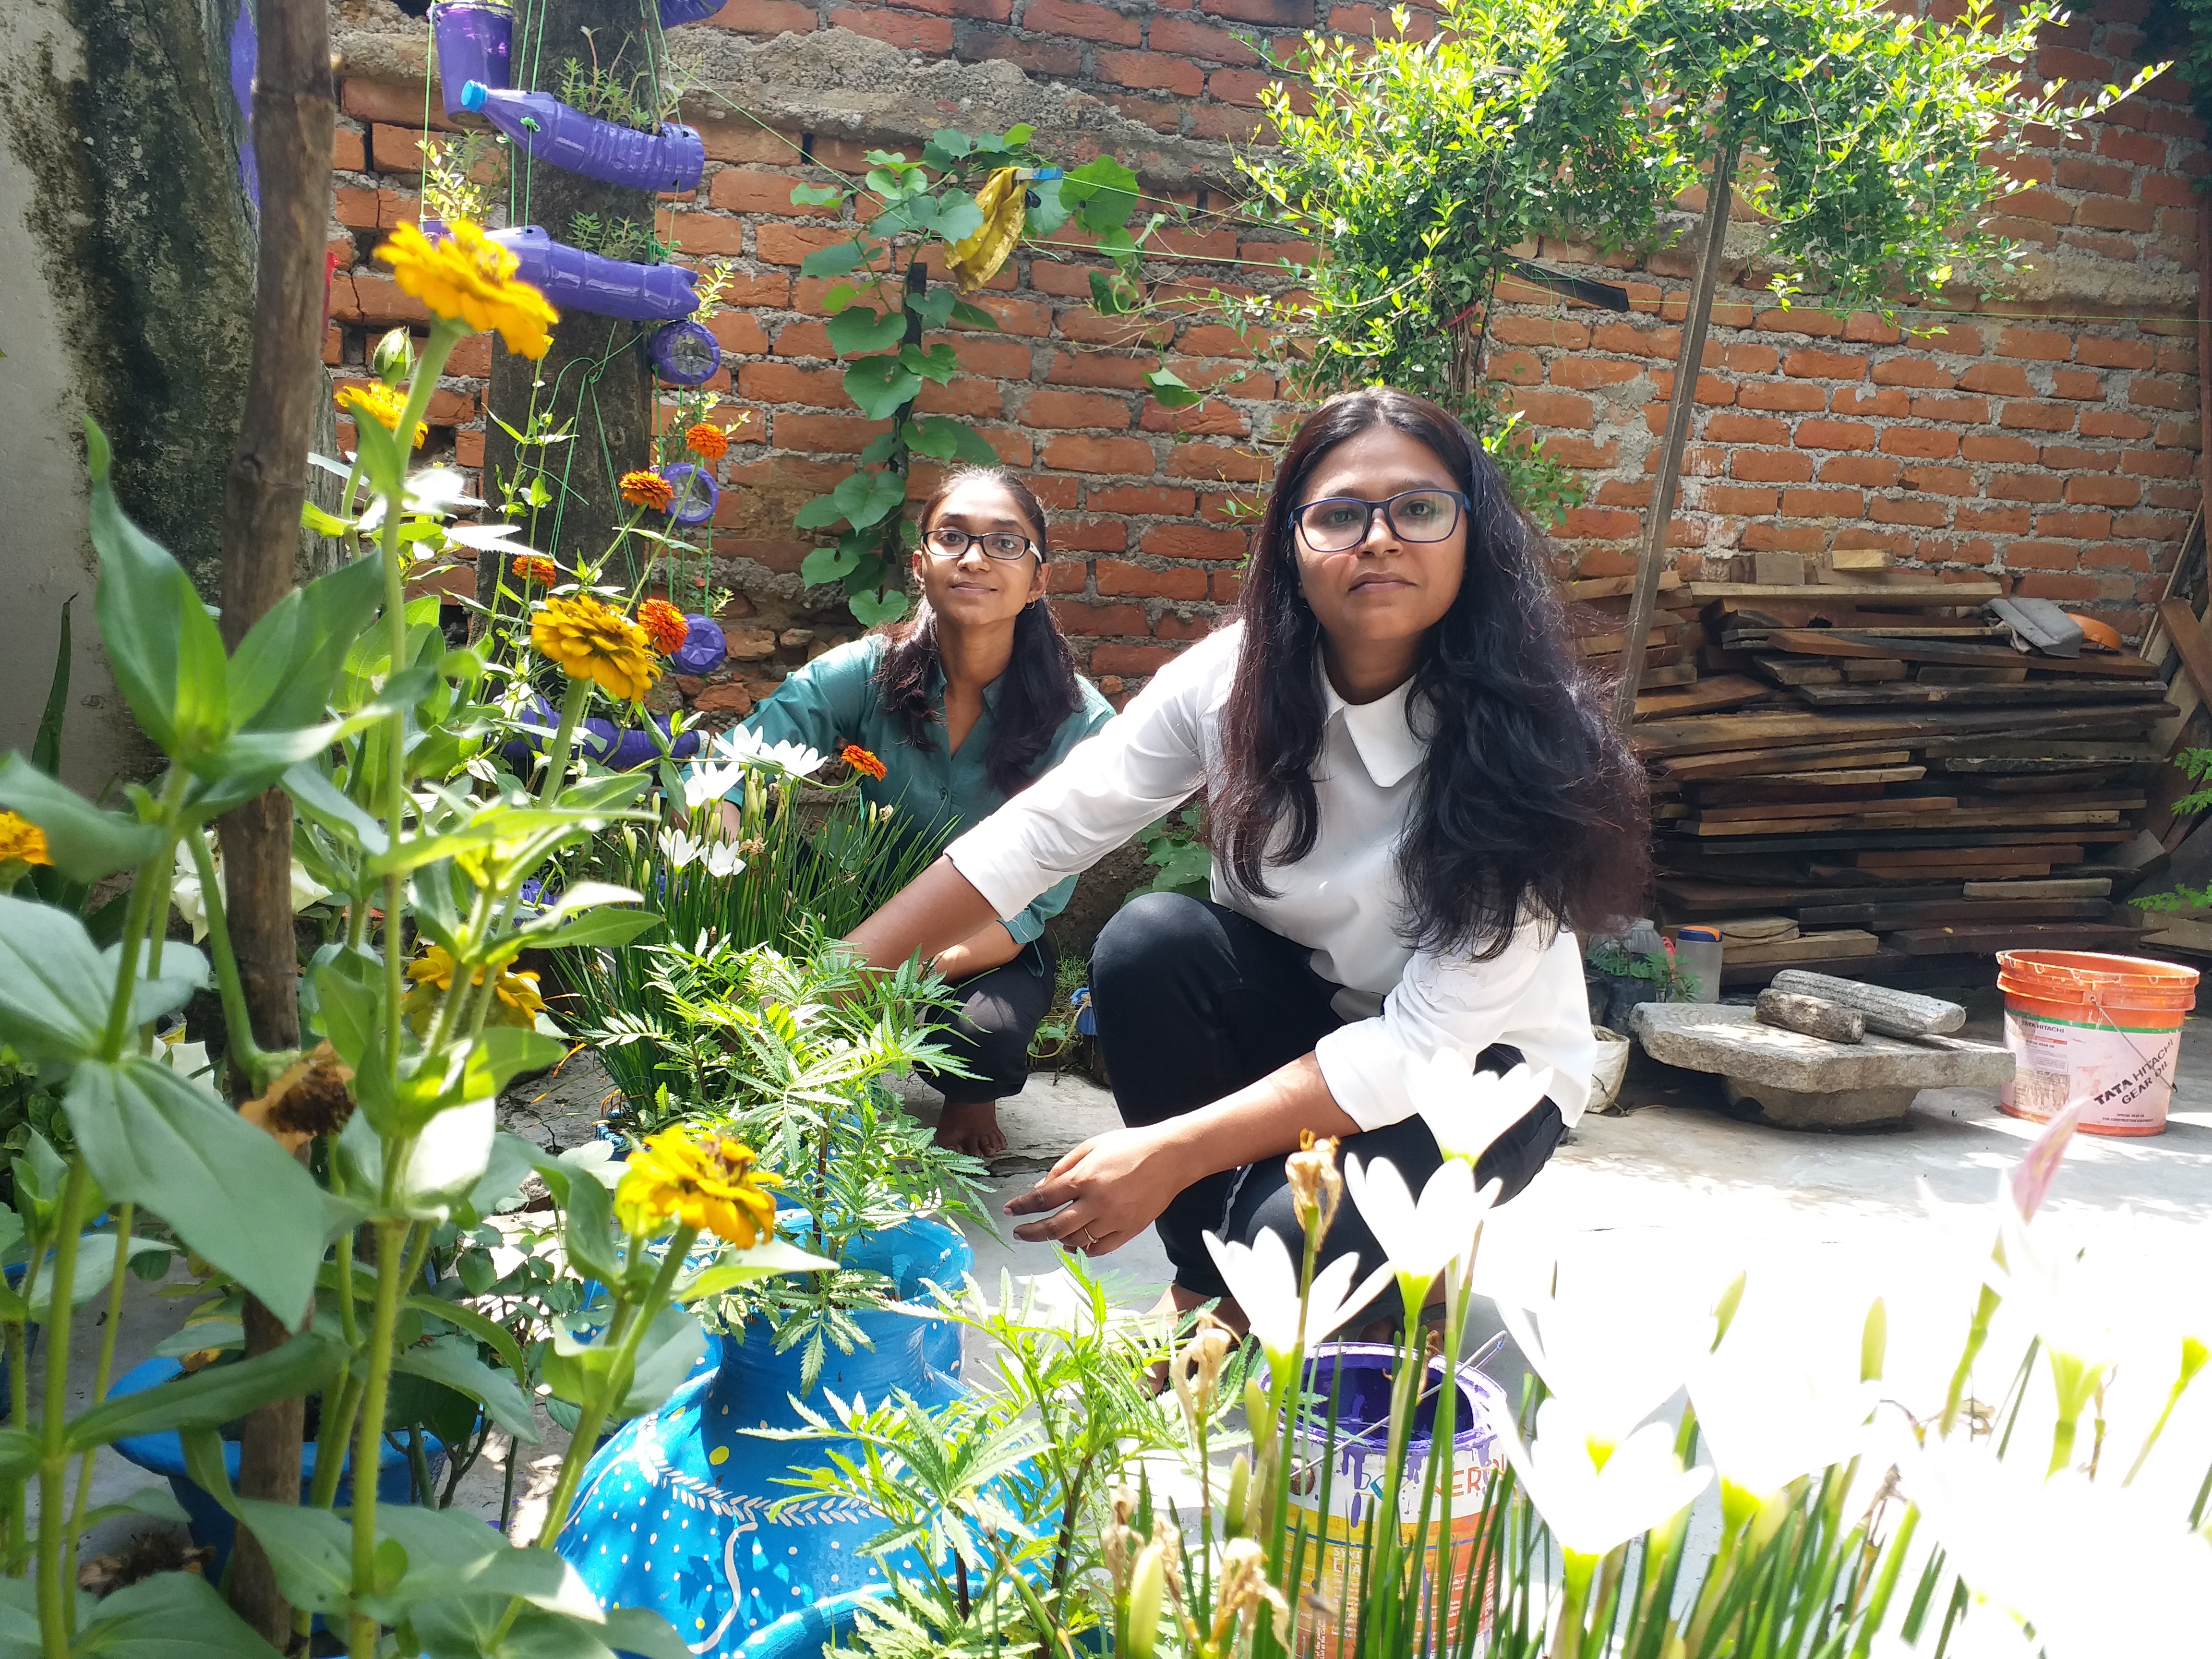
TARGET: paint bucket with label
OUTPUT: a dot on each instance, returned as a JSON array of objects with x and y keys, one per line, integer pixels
[{"x": 2104, "y": 1031}]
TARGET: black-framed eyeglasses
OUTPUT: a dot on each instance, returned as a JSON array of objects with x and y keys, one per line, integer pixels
[
  {"x": 947, "y": 542},
  {"x": 1337, "y": 523}
]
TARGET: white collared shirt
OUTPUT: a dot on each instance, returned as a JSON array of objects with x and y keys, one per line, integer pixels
[{"x": 1343, "y": 899}]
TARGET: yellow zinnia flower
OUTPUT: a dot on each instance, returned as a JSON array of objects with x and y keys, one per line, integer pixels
[
  {"x": 21, "y": 840},
  {"x": 468, "y": 277},
  {"x": 707, "y": 1182},
  {"x": 592, "y": 640},
  {"x": 516, "y": 999},
  {"x": 384, "y": 404}
]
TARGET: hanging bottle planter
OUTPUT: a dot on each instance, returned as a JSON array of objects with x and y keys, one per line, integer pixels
[
  {"x": 474, "y": 40},
  {"x": 674, "y": 1511},
  {"x": 704, "y": 648},
  {"x": 686, "y": 353},
  {"x": 546, "y": 129},
  {"x": 674, "y": 13},
  {"x": 576, "y": 281},
  {"x": 597, "y": 739},
  {"x": 696, "y": 493}
]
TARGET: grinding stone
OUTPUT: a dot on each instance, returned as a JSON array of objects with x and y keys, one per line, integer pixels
[{"x": 1702, "y": 1036}]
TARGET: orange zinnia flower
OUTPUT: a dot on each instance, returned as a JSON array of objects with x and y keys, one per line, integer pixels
[
  {"x": 647, "y": 490},
  {"x": 533, "y": 568},
  {"x": 710, "y": 442},
  {"x": 860, "y": 760},
  {"x": 664, "y": 624}
]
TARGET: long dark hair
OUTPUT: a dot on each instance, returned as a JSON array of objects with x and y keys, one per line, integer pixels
[
  {"x": 1038, "y": 692},
  {"x": 1529, "y": 802}
]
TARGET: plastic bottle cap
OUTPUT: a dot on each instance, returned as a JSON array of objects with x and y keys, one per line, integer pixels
[
  {"x": 473, "y": 95},
  {"x": 1703, "y": 933}
]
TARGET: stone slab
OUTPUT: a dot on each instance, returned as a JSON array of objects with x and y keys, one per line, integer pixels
[
  {"x": 1834, "y": 1109},
  {"x": 1721, "y": 1037}
]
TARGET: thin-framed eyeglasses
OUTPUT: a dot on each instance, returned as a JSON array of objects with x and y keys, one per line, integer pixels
[
  {"x": 1337, "y": 523},
  {"x": 947, "y": 542}
]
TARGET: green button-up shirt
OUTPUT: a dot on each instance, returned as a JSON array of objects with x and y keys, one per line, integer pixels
[{"x": 832, "y": 701}]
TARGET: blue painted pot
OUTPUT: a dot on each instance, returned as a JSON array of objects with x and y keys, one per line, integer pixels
[
  {"x": 163, "y": 1454},
  {"x": 673, "y": 1511}
]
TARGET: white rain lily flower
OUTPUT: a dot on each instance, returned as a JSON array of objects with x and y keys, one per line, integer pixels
[
  {"x": 722, "y": 860},
  {"x": 704, "y": 784},
  {"x": 1264, "y": 1281},
  {"x": 750, "y": 749},
  {"x": 681, "y": 850},
  {"x": 1616, "y": 1350},
  {"x": 1467, "y": 1110},
  {"x": 1768, "y": 1416},
  {"x": 1594, "y": 1493},
  {"x": 1422, "y": 1239},
  {"x": 184, "y": 891}
]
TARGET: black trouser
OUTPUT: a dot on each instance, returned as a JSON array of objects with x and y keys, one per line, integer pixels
[
  {"x": 1000, "y": 1009},
  {"x": 1193, "y": 1002}
]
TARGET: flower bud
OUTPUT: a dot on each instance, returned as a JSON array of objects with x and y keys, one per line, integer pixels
[
  {"x": 1148, "y": 1585},
  {"x": 1259, "y": 1417},
  {"x": 1316, "y": 1187},
  {"x": 1874, "y": 1342},
  {"x": 1240, "y": 1488},
  {"x": 1724, "y": 1309},
  {"x": 393, "y": 359}
]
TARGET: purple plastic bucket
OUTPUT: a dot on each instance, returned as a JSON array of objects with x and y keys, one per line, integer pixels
[
  {"x": 473, "y": 44},
  {"x": 685, "y": 353},
  {"x": 704, "y": 648},
  {"x": 697, "y": 497}
]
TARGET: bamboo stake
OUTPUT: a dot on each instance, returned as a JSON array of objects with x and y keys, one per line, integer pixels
[
  {"x": 1718, "y": 189},
  {"x": 295, "y": 109}
]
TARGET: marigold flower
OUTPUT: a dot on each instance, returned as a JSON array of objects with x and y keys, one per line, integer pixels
[
  {"x": 21, "y": 840},
  {"x": 707, "y": 1182},
  {"x": 467, "y": 277},
  {"x": 709, "y": 442},
  {"x": 516, "y": 999},
  {"x": 309, "y": 1097},
  {"x": 591, "y": 640},
  {"x": 384, "y": 404},
  {"x": 664, "y": 624},
  {"x": 535, "y": 568},
  {"x": 860, "y": 760},
  {"x": 647, "y": 490}
]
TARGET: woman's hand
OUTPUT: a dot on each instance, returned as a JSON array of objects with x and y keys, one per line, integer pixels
[
  {"x": 1103, "y": 1193},
  {"x": 993, "y": 947}
]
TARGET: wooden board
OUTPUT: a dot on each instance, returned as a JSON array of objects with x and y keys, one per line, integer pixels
[
  {"x": 1988, "y": 755},
  {"x": 1960, "y": 818},
  {"x": 1890, "y": 880},
  {"x": 1727, "y": 692},
  {"x": 2012, "y": 936},
  {"x": 1937, "y": 673},
  {"x": 1842, "y": 777},
  {"x": 2172, "y": 933},
  {"x": 2071, "y": 887},
  {"x": 1853, "y": 642},
  {"x": 1757, "y": 810},
  {"x": 1882, "y": 966},
  {"x": 1614, "y": 588},
  {"x": 1800, "y": 671},
  {"x": 1890, "y": 913},
  {"x": 1806, "y": 947},
  {"x": 1907, "y": 594},
  {"x": 1783, "y": 728},
  {"x": 2179, "y": 621},
  {"x": 1912, "y": 857},
  {"x": 1920, "y": 693}
]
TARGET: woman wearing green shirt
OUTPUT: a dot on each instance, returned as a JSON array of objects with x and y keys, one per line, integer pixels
[{"x": 964, "y": 705}]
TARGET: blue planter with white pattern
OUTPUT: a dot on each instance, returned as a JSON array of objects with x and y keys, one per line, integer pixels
[{"x": 673, "y": 1511}]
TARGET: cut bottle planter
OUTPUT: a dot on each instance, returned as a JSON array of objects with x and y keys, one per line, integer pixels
[
  {"x": 674, "y": 1513},
  {"x": 212, "y": 1526},
  {"x": 704, "y": 648},
  {"x": 546, "y": 129},
  {"x": 473, "y": 44},
  {"x": 576, "y": 281}
]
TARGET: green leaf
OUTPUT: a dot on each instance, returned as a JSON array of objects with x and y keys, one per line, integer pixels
[
  {"x": 868, "y": 498},
  {"x": 324, "y": 803},
  {"x": 95, "y": 1266},
  {"x": 172, "y": 1615},
  {"x": 933, "y": 438},
  {"x": 826, "y": 565},
  {"x": 210, "y": 1398},
  {"x": 85, "y": 842},
  {"x": 163, "y": 648},
  {"x": 968, "y": 315},
  {"x": 882, "y": 387},
  {"x": 862, "y": 328},
  {"x": 816, "y": 195},
  {"x": 672, "y": 1345},
  {"x": 819, "y": 513},
  {"x": 934, "y": 306},
  {"x": 54, "y": 990},
  {"x": 951, "y": 141},
  {"x": 19, "y": 1454},
  {"x": 323, "y": 524},
  {"x": 833, "y": 261},
  {"x": 47, "y": 747},
  {"x": 456, "y": 1365},
  {"x": 587, "y": 1231},
  {"x": 310, "y": 1550},
  {"x": 600, "y": 928},
  {"x": 1103, "y": 192},
  {"x": 1168, "y": 387},
  {"x": 954, "y": 215},
  {"x": 283, "y": 674},
  {"x": 1050, "y": 213},
  {"x": 871, "y": 609},
  {"x": 770, "y": 1259},
  {"x": 493, "y": 1334},
  {"x": 643, "y": 1632},
  {"x": 837, "y": 296},
  {"x": 228, "y": 1190},
  {"x": 1110, "y": 294},
  {"x": 938, "y": 363}
]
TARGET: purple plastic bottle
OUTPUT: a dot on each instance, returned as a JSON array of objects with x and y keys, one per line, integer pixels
[
  {"x": 546, "y": 129},
  {"x": 473, "y": 43},
  {"x": 576, "y": 281}
]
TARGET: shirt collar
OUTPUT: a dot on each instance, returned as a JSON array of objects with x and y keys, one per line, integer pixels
[{"x": 1381, "y": 731}]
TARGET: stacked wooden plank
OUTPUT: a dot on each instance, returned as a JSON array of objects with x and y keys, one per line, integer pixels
[{"x": 1866, "y": 777}]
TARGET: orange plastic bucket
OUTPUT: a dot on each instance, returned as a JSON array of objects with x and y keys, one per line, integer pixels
[{"x": 2102, "y": 1030}]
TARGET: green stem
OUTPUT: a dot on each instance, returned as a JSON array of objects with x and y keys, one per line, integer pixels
[
  {"x": 148, "y": 883},
  {"x": 244, "y": 1055},
  {"x": 1977, "y": 1335},
  {"x": 1567, "y": 1636},
  {"x": 390, "y": 1240},
  {"x": 126, "y": 1217},
  {"x": 57, "y": 1596},
  {"x": 19, "y": 1412}
]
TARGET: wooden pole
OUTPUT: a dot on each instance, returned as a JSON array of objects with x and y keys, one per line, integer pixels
[
  {"x": 1687, "y": 363},
  {"x": 294, "y": 110}
]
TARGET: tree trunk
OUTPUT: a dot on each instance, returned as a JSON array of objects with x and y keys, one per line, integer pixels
[
  {"x": 597, "y": 380},
  {"x": 294, "y": 112}
]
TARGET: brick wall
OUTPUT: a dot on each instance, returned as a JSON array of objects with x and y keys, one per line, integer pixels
[{"x": 2051, "y": 440}]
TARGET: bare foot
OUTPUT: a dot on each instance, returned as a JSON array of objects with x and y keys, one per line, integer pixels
[{"x": 971, "y": 1129}]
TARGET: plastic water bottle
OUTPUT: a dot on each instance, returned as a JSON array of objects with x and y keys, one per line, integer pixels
[
  {"x": 546, "y": 129},
  {"x": 1697, "y": 954}
]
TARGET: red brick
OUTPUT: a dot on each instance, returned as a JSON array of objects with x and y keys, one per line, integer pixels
[
  {"x": 1373, "y": 23},
  {"x": 1212, "y": 419},
  {"x": 1910, "y": 509},
  {"x": 358, "y": 297},
  {"x": 2073, "y": 458},
  {"x": 2075, "y": 526},
  {"x": 1737, "y": 500},
  {"x": 2042, "y": 555},
  {"x": 1218, "y": 461},
  {"x": 1973, "y": 410},
  {"x": 1181, "y": 38},
  {"x": 1151, "y": 71},
  {"x": 1867, "y": 329},
  {"x": 1587, "y": 374},
  {"x": 402, "y": 106},
  {"x": 932, "y": 35},
  {"x": 2099, "y": 352},
  {"x": 2177, "y": 434},
  {"x": 1563, "y": 409},
  {"x": 765, "y": 17},
  {"x": 1799, "y": 319},
  {"x": 2115, "y": 213},
  {"x": 1173, "y": 627},
  {"x": 2009, "y": 451},
  {"x": 2157, "y": 464},
  {"x": 1183, "y": 582},
  {"x": 2152, "y": 526},
  {"x": 1822, "y": 503},
  {"x": 1630, "y": 340},
  {"x": 739, "y": 333},
  {"x": 1076, "y": 409},
  {"x": 1076, "y": 454},
  {"x": 1048, "y": 59},
  {"x": 1082, "y": 324},
  {"x": 1512, "y": 329},
  {"x": 785, "y": 383},
  {"x": 1075, "y": 617},
  {"x": 1770, "y": 466},
  {"x": 2147, "y": 392},
  {"x": 1834, "y": 434},
  {"x": 1728, "y": 427},
  {"x": 1863, "y": 470},
  {"x": 1783, "y": 538},
  {"x": 1940, "y": 480},
  {"x": 2077, "y": 172},
  {"x": 1099, "y": 369},
  {"x": 2029, "y": 416},
  {"x": 1284, "y": 13},
  {"x": 1605, "y": 524},
  {"x": 348, "y": 150},
  {"x": 748, "y": 189},
  {"x": 1891, "y": 401},
  {"x": 2176, "y": 359},
  {"x": 2076, "y": 383},
  {"x": 1130, "y": 659},
  {"x": 1808, "y": 364},
  {"x": 2023, "y": 487},
  {"x": 1141, "y": 501},
  {"x": 974, "y": 399},
  {"x": 789, "y": 245},
  {"x": 2043, "y": 345},
  {"x": 1192, "y": 541},
  {"x": 1228, "y": 123},
  {"x": 1244, "y": 87},
  {"x": 1913, "y": 371},
  {"x": 2001, "y": 520},
  {"x": 1786, "y": 396},
  {"x": 2103, "y": 491},
  {"x": 2058, "y": 588},
  {"x": 831, "y": 434},
  {"x": 1085, "y": 22},
  {"x": 2134, "y": 147}
]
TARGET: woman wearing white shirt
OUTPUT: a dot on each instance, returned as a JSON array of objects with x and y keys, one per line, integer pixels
[{"x": 1414, "y": 794}]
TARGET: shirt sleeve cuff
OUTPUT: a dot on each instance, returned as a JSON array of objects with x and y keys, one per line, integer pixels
[
  {"x": 1365, "y": 1073},
  {"x": 1025, "y": 928},
  {"x": 1007, "y": 879}
]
